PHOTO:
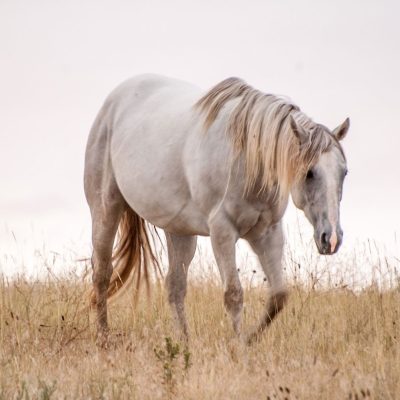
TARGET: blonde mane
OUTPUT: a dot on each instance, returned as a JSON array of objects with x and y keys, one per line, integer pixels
[{"x": 259, "y": 127}]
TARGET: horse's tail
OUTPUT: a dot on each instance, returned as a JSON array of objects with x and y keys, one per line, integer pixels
[{"x": 132, "y": 255}]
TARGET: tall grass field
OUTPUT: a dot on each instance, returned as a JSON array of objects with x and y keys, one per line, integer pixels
[{"x": 337, "y": 338}]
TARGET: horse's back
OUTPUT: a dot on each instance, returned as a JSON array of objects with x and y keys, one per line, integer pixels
[{"x": 141, "y": 87}]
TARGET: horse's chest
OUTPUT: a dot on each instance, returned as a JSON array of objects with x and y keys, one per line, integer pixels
[{"x": 251, "y": 220}]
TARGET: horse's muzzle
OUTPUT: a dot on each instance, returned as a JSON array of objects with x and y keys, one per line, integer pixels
[{"x": 328, "y": 241}]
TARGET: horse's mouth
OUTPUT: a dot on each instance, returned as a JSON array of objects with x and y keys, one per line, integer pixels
[{"x": 326, "y": 249}]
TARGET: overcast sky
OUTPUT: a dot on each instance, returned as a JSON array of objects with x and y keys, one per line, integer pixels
[{"x": 60, "y": 59}]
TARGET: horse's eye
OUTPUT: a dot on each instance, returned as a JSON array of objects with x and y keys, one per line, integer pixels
[{"x": 310, "y": 174}]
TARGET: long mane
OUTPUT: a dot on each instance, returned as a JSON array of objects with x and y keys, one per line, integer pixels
[{"x": 259, "y": 128}]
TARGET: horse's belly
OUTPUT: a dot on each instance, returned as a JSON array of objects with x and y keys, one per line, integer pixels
[
  {"x": 170, "y": 211},
  {"x": 155, "y": 187},
  {"x": 189, "y": 221}
]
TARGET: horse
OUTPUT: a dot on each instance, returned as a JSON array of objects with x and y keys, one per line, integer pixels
[{"x": 220, "y": 163}]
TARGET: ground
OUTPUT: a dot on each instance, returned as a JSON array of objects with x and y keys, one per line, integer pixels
[{"x": 331, "y": 343}]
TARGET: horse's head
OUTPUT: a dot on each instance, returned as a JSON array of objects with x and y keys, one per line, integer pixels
[{"x": 319, "y": 191}]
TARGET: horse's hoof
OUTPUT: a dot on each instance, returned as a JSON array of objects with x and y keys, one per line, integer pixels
[
  {"x": 102, "y": 340},
  {"x": 252, "y": 337}
]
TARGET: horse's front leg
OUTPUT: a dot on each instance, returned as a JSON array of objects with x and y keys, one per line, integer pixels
[
  {"x": 181, "y": 250},
  {"x": 223, "y": 239},
  {"x": 269, "y": 249}
]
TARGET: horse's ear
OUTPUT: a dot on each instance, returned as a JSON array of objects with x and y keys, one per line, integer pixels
[
  {"x": 298, "y": 130},
  {"x": 341, "y": 131}
]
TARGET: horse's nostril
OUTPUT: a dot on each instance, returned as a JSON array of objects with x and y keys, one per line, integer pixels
[{"x": 324, "y": 239}]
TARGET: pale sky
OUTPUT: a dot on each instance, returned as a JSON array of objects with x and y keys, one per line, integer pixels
[{"x": 59, "y": 60}]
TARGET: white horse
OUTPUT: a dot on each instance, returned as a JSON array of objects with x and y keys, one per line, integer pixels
[{"x": 220, "y": 163}]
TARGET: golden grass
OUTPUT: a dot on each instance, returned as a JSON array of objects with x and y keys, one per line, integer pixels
[{"x": 327, "y": 344}]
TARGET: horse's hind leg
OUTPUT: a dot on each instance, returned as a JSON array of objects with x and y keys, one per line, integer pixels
[
  {"x": 105, "y": 222},
  {"x": 269, "y": 249},
  {"x": 106, "y": 206},
  {"x": 181, "y": 250}
]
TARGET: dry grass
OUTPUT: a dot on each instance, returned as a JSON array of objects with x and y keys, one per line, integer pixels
[{"x": 327, "y": 344}]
